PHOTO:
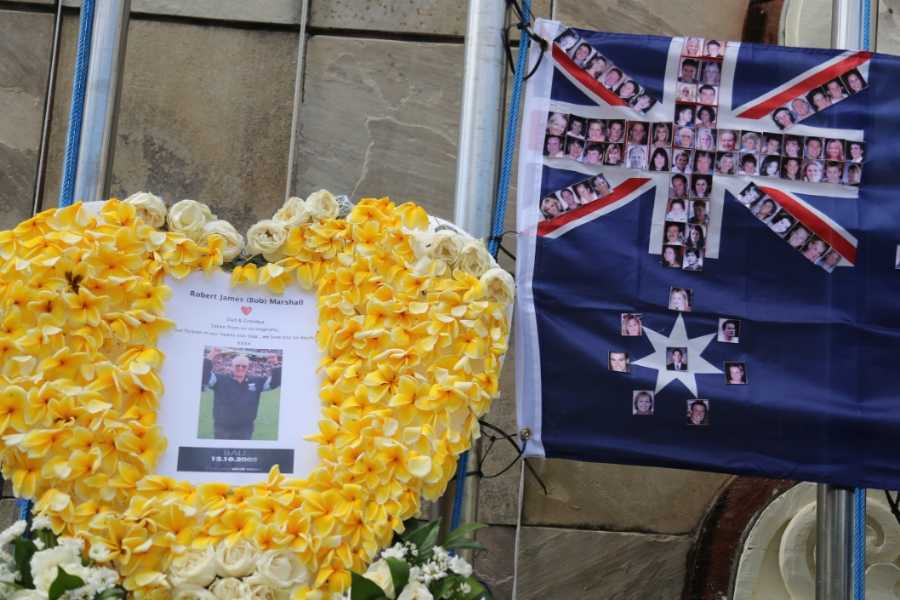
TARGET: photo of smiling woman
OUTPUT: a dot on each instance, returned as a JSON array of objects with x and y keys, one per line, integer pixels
[
  {"x": 631, "y": 324},
  {"x": 642, "y": 403},
  {"x": 698, "y": 412},
  {"x": 659, "y": 160}
]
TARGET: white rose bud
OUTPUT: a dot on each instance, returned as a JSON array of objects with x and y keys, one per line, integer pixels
[
  {"x": 230, "y": 588},
  {"x": 188, "y": 217},
  {"x": 293, "y": 213},
  {"x": 474, "y": 258},
  {"x": 323, "y": 205},
  {"x": 415, "y": 591},
  {"x": 266, "y": 238},
  {"x": 237, "y": 560},
  {"x": 194, "y": 567},
  {"x": 421, "y": 242},
  {"x": 459, "y": 566},
  {"x": 446, "y": 246},
  {"x": 281, "y": 569},
  {"x": 234, "y": 241},
  {"x": 498, "y": 285},
  {"x": 192, "y": 592},
  {"x": 260, "y": 589},
  {"x": 149, "y": 207},
  {"x": 379, "y": 573}
]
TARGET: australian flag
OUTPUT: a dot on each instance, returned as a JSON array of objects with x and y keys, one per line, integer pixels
[{"x": 709, "y": 257}]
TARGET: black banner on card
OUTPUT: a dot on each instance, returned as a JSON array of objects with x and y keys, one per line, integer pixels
[{"x": 235, "y": 460}]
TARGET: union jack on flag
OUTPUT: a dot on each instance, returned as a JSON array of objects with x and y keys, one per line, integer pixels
[{"x": 708, "y": 256}]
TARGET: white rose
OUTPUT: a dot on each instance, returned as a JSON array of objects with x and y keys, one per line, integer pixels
[
  {"x": 259, "y": 589},
  {"x": 188, "y": 217},
  {"x": 192, "y": 592},
  {"x": 29, "y": 595},
  {"x": 474, "y": 258},
  {"x": 194, "y": 567},
  {"x": 379, "y": 573},
  {"x": 266, "y": 238},
  {"x": 281, "y": 569},
  {"x": 459, "y": 566},
  {"x": 446, "y": 246},
  {"x": 415, "y": 591},
  {"x": 236, "y": 560},
  {"x": 234, "y": 241},
  {"x": 498, "y": 285},
  {"x": 149, "y": 207},
  {"x": 322, "y": 205},
  {"x": 230, "y": 588},
  {"x": 293, "y": 213}
]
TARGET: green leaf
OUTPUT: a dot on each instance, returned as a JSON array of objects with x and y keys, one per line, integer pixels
[
  {"x": 23, "y": 550},
  {"x": 116, "y": 593},
  {"x": 47, "y": 537},
  {"x": 399, "y": 573},
  {"x": 363, "y": 589},
  {"x": 478, "y": 591},
  {"x": 466, "y": 545},
  {"x": 461, "y": 534},
  {"x": 420, "y": 534},
  {"x": 63, "y": 583}
]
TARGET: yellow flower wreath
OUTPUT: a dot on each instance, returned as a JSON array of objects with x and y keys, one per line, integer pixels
[{"x": 411, "y": 353}]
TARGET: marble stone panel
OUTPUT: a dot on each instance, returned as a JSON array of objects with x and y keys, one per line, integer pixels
[
  {"x": 620, "y": 498},
  {"x": 566, "y": 563},
  {"x": 205, "y": 114},
  {"x": 25, "y": 39},
  {"x": 705, "y": 18},
  {"x": 413, "y": 16}
]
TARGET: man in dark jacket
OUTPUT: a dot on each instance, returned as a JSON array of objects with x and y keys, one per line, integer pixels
[{"x": 236, "y": 395}]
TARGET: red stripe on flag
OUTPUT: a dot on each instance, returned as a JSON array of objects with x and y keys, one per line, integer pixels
[
  {"x": 594, "y": 86},
  {"x": 800, "y": 88},
  {"x": 814, "y": 223},
  {"x": 624, "y": 189}
]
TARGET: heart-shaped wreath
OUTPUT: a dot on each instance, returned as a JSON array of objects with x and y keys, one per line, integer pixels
[{"x": 411, "y": 335}]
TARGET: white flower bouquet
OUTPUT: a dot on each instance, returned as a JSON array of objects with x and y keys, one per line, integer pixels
[
  {"x": 41, "y": 566},
  {"x": 416, "y": 567}
]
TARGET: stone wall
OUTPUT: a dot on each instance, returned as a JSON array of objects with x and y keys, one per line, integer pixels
[{"x": 206, "y": 113}]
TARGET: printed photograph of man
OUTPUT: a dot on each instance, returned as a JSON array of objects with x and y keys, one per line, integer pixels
[
  {"x": 713, "y": 49},
  {"x": 801, "y": 108},
  {"x": 637, "y": 133},
  {"x": 631, "y": 325},
  {"x": 636, "y": 157},
  {"x": 729, "y": 331},
  {"x": 612, "y": 78},
  {"x": 834, "y": 173},
  {"x": 693, "y": 259},
  {"x": 240, "y": 394},
  {"x": 684, "y": 115},
  {"x": 688, "y": 71},
  {"x": 679, "y": 186},
  {"x": 815, "y": 249},
  {"x": 551, "y": 207},
  {"x": 574, "y": 148},
  {"x": 567, "y": 198},
  {"x": 642, "y": 403},
  {"x": 854, "y": 81},
  {"x": 835, "y": 90},
  {"x": 812, "y": 148},
  {"x": 856, "y": 151},
  {"x": 698, "y": 413},
  {"x": 628, "y": 90},
  {"x": 674, "y": 233},
  {"x": 618, "y": 362},
  {"x": 576, "y": 127},
  {"x": 583, "y": 192},
  {"x": 699, "y": 213},
  {"x": 706, "y": 94},
  {"x": 553, "y": 146},
  {"x": 781, "y": 222},
  {"x": 798, "y": 236},
  {"x": 771, "y": 144},
  {"x": 735, "y": 373},
  {"x": 680, "y": 299},
  {"x": 593, "y": 154},
  {"x": 727, "y": 140},
  {"x": 711, "y": 73},
  {"x": 671, "y": 256},
  {"x": 790, "y": 169},
  {"x": 703, "y": 161},
  {"x": 676, "y": 359},
  {"x": 596, "y": 66},
  {"x": 764, "y": 209},
  {"x": 749, "y": 164}
]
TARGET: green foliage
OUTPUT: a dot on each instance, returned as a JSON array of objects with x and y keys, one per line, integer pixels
[
  {"x": 23, "y": 550},
  {"x": 116, "y": 593},
  {"x": 399, "y": 573},
  {"x": 363, "y": 589},
  {"x": 63, "y": 583}
]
